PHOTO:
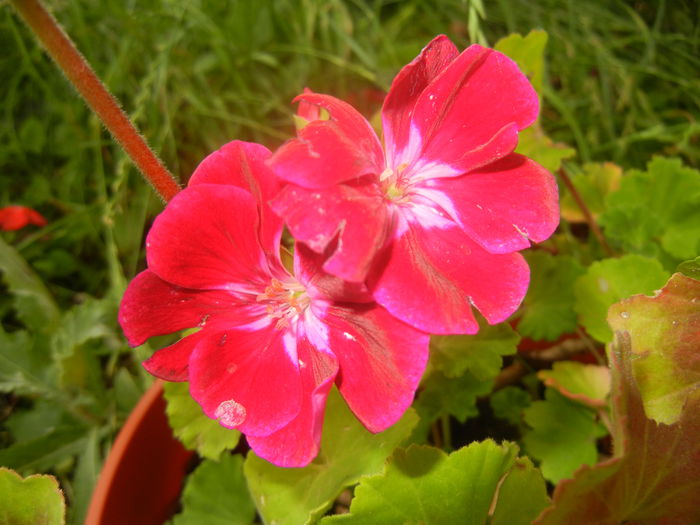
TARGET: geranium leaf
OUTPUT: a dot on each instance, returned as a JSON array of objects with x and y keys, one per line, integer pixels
[
  {"x": 522, "y": 495},
  {"x": 608, "y": 281},
  {"x": 587, "y": 384},
  {"x": 548, "y": 306},
  {"x": 593, "y": 184},
  {"x": 216, "y": 494},
  {"x": 563, "y": 435},
  {"x": 44, "y": 452},
  {"x": 509, "y": 403},
  {"x": 424, "y": 485},
  {"x": 348, "y": 452},
  {"x": 481, "y": 353},
  {"x": 690, "y": 268},
  {"x": 25, "y": 364},
  {"x": 192, "y": 427},
  {"x": 36, "y": 500},
  {"x": 656, "y": 212},
  {"x": 664, "y": 334},
  {"x": 655, "y": 474},
  {"x": 535, "y": 144},
  {"x": 35, "y": 306}
]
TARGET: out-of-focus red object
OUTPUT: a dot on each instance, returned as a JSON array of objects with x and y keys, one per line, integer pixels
[
  {"x": 141, "y": 480},
  {"x": 16, "y": 217}
]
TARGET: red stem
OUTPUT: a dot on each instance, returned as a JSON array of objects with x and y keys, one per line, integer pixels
[{"x": 76, "y": 68}]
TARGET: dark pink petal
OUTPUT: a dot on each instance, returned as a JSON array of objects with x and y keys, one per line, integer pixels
[
  {"x": 151, "y": 307},
  {"x": 328, "y": 152},
  {"x": 381, "y": 361},
  {"x": 244, "y": 164},
  {"x": 352, "y": 217},
  {"x": 503, "y": 205},
  {"x": 407, "y": 86},
  {"x": 206, "y": 239},
  {"x": 172, "y": 362},
  {"x": 432, "y": 276},
  {"x": 469, "y": 114},
  {"x": 297, "y": 443},
  {"x": 322, "y": 286},
  {"x": 308, "y": 112},
  {"x": 248, "y": 379}
]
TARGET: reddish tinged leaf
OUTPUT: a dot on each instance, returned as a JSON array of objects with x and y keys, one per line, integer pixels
[
  {"x": 665, "y": 339},
  {"x": 587, "y": 384},
  {"x": 17, "y": 217},
  {"x": 654, "y": 477}
]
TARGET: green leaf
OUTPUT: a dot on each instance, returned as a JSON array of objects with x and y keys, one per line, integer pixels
[
  {"x": 521, "y": 496},
  {"x": 563, "y": 435},
  {"x": 548, "y": 308},
  {"x": 690, "y": 268},
  {"x": 424, "y": 485},
  {"x": 480, "y": 354},
  {"x": 35, "y": 306},
  {"x": 656, "y": 211},
  {"x": 216, "y": 494},
  {"x": 348, "y": 451},
  {"x": 86, "y": 473},
  {"x": 36, "y": 500},
  {"x": 44, "y": 452},
  {"x": 593, "y": 185},
  {"x": 587, "y": 384},
  {"x": 664, "y": 334},
  {"x": 509, "y": 402},
  {"x": 654, "y": 476},
  {"x": 535, "y": 144},
  {"x": 192, "y": 427},
  {"x": 610, "y": 280},
  {"x": 25, "y": 364}
]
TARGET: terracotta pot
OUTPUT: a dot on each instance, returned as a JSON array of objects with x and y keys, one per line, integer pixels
[{"x": 141, "y": 480}]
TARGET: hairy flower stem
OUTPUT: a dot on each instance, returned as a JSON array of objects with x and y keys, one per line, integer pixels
[
  {"x": 80, "y": 74},
  {"x": 592, "y": 224}
]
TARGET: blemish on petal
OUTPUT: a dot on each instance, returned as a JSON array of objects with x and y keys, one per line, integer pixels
[
  {"x": 222, "y": 341},
  {"x": 230, "y": 413},
  {"x": 349, "y": 336},
  {"x": 231, "y": 368}
]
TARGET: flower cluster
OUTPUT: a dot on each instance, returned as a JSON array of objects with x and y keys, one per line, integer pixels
[{"x": 393, "y": 243}]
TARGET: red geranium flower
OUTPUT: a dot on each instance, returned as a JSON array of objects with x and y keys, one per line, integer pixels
[
  {"x": 17, "y": 217},
  {"x": 433, "y": 221},
  {"x": 270, "y": 344}
]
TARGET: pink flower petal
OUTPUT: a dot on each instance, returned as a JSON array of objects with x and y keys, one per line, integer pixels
[
  {"x": 469, "y": 113},
  {"x": 407, "y": 85},
  {"x": 503, "y": 205},
  {"x": 297, "y": 443},
  {"x": 381, "y": 362},
  {"x": 172, "y": 362},
  {"x": 352, "y": 217},
  {"x": 152, "y": 307},
  {"x": 328, "y": 152},
  {"x": 447, "y": 273},
  {"x": 248, "y": 379},
  {"x": 206, "y": 238},
  {"x": 244, "y": 164}
]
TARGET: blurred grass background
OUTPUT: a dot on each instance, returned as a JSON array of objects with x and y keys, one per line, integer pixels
[{"x": 622, "y": 84}]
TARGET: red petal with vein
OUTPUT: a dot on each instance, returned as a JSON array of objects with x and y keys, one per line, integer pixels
[
  {"x": 447, "y": 273},
  {"x": 475, "y": 104},
  {"x": 244, "y": 164},
  {"x": 381, "y": 362},
  {"x": 172, "y": 362},
  {"x": 248, "y": 380},
  {"x": 355, "y": 216},
  {"x": 152, "y": 307},
  {"x": 407, "y": 85},
  {"x": 322, "y": 286},
  {"x": 296, "y": 444},
  {"x": 502, "y": 206},
  {"x": 206, "y": 239},
  {"x": 323, "y": 155}
]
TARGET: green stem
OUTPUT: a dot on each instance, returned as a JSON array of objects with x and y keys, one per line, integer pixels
[{"x": 80, "y": 74}]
